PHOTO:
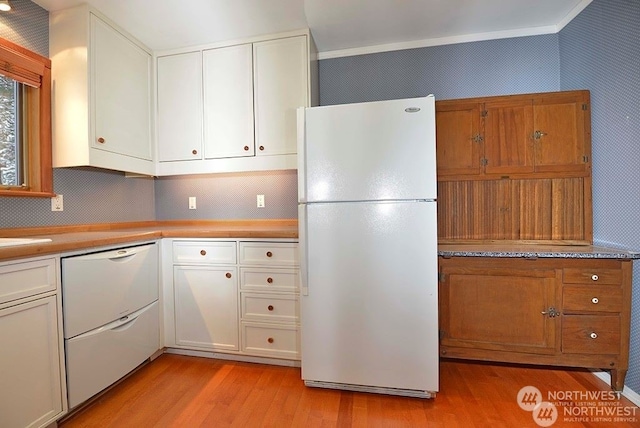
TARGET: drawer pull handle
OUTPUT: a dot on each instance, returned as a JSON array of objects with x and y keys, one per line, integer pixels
[
  {"x": 595, "y": 300},
  {"x": 228, "y": 275},
  {"x": 270, "y": 340},
  {"x": 246, "y": 148},
  {"x": 101, "y": 140},
  {"x": 594, "y": 277},
  {"x": 203, "y": 253},
  {"x": 269, "y": 254},
  {"x": 593, "y": 335},
  {"x": 270, "y": 307},
  {"x": 194, "y": 151},
  {"x": 261, "y": 148},
  {"x": 269, "y": 280}
]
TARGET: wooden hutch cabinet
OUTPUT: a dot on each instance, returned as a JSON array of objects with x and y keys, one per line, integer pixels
[{"x": 520, "y": 281}]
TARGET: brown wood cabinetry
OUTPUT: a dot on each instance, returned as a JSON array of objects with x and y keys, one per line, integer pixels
[
  {"x": 551, "y": 311},
  {"x": 515, "y": 167},
  {"x": 515, "y": 135}
]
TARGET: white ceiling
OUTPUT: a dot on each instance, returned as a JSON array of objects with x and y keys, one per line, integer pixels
[{"x": 339, "y": 27}]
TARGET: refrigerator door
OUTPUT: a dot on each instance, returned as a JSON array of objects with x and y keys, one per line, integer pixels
[
  {"x": 370, "y": 313},
  {"x": 381, "y": 150}
]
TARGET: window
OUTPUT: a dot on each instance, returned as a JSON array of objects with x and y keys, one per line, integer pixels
[{"x": 25, "y": 122}]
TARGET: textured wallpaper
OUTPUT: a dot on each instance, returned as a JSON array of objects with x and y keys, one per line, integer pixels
[{"x": 600, "y": 50}]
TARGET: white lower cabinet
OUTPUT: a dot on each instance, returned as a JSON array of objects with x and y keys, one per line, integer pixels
[
  {"x": 31, "y": 370},
  {"x": 236, "y": 297}
]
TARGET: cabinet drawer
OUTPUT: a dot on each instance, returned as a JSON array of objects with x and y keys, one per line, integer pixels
[
  {"x": 269, "y": 253},
  {"x": 18, "y": 280},
  {"x": 592, "y": 276},
  {"x": 270, "y": 340},
  {"x": 264, "y": 279},
  {"x": 203, "y": 252},
  {"x": 591, "y": 334},
  {"x": 270, "y": 307},
  {"x": 591, "y": 298}
]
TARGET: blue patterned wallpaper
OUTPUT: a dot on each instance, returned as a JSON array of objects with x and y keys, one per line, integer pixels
[
  {"x": 494, "y": 67},
  {"x": 26, "y": 24},
  {"x": 600, "y": 50}
]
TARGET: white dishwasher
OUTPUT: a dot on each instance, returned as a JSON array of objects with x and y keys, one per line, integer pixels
[{"x": 111, "y": 316}]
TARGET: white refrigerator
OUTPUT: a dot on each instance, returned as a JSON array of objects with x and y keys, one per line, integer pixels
[{"x": 368, "y": 242}]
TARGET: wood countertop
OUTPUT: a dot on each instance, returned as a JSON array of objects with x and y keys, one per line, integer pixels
[{"x": 82, "y": 237}]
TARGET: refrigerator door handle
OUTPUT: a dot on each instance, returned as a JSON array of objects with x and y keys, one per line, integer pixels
[
  {"x": 301, "y": 135},
  {"x": 302, "y": 246}
]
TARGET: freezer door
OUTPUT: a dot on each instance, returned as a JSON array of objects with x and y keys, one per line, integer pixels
[
  {"x": 370, "y": 313},
  {"x": 369, "y": 151}
]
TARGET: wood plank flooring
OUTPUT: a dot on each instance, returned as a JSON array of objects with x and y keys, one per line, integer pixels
[{"x": 181, "y": 391}]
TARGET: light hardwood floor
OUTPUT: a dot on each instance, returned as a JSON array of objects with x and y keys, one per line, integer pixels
[{"x": 181, "y": 391}]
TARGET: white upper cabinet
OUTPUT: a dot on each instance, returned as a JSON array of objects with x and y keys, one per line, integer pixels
[
  {"x": 180, "y": 107},
  {"x": 102, "y": 84},
  {"x": 250, "y": 92},
  {"x": 280, "y": 87},
  {"x": 228, "y": 101}
]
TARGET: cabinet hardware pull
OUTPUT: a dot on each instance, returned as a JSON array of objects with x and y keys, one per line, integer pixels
[
  {"x": 246, "y": 148},
  {"x": 270, "y": 340},
  {"x": 203, "y": 253},
  {"x": 593, "y": 335},
  {"x": 194, "y": 151},
  {"x": 551, "y": 312},
  {"x": 261, "y": 148},
  {"x": 228, "y": 275},
  {"x": 101, "y": 140},
  {"x": 538, "y": 134},
  {"x": 269, "y": 254},
  {"x": 270, "y": 307},
  {"x": 594, "y": 277},
  {"x": 595, "y": 300},
  {"x": 269, "y": 280}
]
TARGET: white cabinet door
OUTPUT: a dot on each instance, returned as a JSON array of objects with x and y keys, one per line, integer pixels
[
  {"x": 228, "y": 102},
  {"x": 206, "y": 307},
  {"x": 30, "y": 380},
  {"x": 280, "y": 87},
  {"x": 180, "y": 107},
  {"x": 121, "y": 93}
]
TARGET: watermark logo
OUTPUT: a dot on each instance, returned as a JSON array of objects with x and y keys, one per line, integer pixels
[
  {"x": 575, "y": 406},
  {"x": 544, "y": 413}
]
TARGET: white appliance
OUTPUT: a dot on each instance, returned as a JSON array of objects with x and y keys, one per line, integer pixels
[
  {"x": 368, "y": 239},
  {"x": 111, "y": 316}
]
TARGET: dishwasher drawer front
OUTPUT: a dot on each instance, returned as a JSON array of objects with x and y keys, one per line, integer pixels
[
  {"x": 101, "y": 287},
  {"x": 101, "y": 357}
]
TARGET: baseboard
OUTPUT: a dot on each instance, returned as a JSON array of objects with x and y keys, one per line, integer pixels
[
  {"x": 233, "y": 357},
  {"x": 629, "y": 393}
]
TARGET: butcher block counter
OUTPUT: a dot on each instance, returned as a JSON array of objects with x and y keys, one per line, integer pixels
[
  {"x": 79, "y": 237},
  {"x": 556, "y": 305}
]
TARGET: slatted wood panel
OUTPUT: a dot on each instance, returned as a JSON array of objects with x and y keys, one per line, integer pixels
[
  {"x": 178, "y": 391},
  {"x": 551, "y": 209}
]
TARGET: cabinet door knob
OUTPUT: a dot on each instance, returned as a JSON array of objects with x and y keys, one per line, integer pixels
[
  {"x": 228, "y": 275},
  {"x": 551, "y": 312},
  {"x": 270, "y": 307},
  {"x": 594, "y": 277},
  {"x": 261, "y": 148},
  {"x": 269, "y": 280},
  {"x": 194, "y": 151},
  {"x": 593, "y": 335},
  {"x": 246, "y": 148},
  {"x": 595, "y": 300},
  {"x": 203, "y": 253},
  {"x": 270, "y": 340},
  {"x": 269, "y": 254},
  {"x": 101, "y": 140}
]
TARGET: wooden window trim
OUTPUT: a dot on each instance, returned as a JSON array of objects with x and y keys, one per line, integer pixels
[{"x": 33, "y": 70}]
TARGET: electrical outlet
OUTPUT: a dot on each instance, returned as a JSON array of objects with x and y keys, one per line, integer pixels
[
  {"x": 260, "y": 201},
  {"x": 192, "y": 202},
  {"x": 56, "y": 203}
]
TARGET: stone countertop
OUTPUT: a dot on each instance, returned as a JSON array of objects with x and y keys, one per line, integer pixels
[
  {"x": 82, "y": 237},
  {"x": 534, "y": 251}
]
